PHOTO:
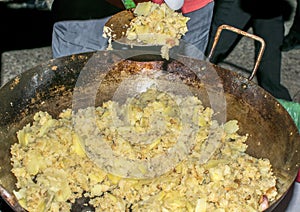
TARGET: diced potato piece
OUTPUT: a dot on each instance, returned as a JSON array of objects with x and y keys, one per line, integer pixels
[
  {"x": 63, "y": 193},
  {"x": 201, "y": 205},
  {"x": 77, "y": 145},
  {"x": 114, "y": 178},
  {"x": 231, "y": 126},
  {"x": 143, "y": 8}
]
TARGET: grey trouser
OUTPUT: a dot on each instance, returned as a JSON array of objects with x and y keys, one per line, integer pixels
[{"x": 72, "y": 37}]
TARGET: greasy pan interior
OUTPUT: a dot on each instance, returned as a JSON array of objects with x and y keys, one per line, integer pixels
[{"x": 49, "y": 87}]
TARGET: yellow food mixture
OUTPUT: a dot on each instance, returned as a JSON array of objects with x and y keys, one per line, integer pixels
[
  {"x": 155, "y": 24},
  {"x": 53, "y": 170}
]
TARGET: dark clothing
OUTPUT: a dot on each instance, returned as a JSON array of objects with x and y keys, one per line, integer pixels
[
  {"x": 296, "y": 22},
  {"x": 63, "y": 10},
  {"x": 263, "y": 8},
  {"x": 292, "y": 39},
  {"x": 268, "y": 25}
]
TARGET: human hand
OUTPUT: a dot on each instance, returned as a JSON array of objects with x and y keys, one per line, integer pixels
[{"x": 173, "y": 4}]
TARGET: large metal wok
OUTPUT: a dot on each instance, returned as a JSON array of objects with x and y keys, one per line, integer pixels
[{"x": 50, "y": 86}]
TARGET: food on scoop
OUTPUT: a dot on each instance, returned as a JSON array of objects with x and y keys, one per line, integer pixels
[
  {"x": 53, "y": 170},
  {"x": 116, "y": 27},
  {"x": 153, "y": 24}
]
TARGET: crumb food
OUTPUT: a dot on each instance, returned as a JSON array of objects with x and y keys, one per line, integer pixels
[
  {"x": 153, "y": 24},
  {"x": 53, "y": 170}
]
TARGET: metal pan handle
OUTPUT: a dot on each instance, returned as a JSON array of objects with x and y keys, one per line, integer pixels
[{"x": 246, "y": 34}]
